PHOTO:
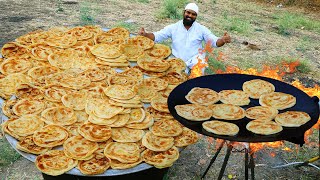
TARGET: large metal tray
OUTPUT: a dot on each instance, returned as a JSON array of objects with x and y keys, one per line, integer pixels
[{"x": 220, "y": 82}]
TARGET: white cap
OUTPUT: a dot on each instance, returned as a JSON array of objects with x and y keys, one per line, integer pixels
[{"x": 193, "y": 7}]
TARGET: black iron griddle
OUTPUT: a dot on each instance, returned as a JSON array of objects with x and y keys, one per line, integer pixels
[{"x": 220, "y": 82}]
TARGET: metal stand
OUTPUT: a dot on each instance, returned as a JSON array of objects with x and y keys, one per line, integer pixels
[
  {"x": 305, "y": 163},
  {"x": 249, "y": 163}
]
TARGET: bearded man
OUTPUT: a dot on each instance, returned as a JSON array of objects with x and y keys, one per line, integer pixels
[{"x": 187, "y": 36}]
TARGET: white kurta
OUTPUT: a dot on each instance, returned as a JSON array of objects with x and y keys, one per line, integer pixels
[{"x": 186, "y": 43}]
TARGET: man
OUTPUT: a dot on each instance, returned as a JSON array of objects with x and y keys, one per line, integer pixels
[{"x": 187, "y": 36}]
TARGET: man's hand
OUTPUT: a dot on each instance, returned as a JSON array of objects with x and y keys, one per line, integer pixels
[
  {"x": 142, "y": 32},
  {"x": 226, "y": 38},
  {"x": 223, "y": 39}
]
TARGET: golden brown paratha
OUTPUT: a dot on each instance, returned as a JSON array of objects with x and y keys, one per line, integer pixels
[
  {"x": 54, "y": 162},
  {"x": 79, "y": 148},
  {"x": 277, "y": 100},
  {"x": 123, "y": 152},
  {"x": 235, "y": 97},
  {"x": 157, "y": 143},
  {"x": 261, "y": 112},
  {"x": 27, "y": 145},
  {"x": 187, "y": 137},
  {"x": 221, "y": 128},
  {"x": 166, "y": 128},
  {"x": 94, "y": 132},
  {"x": 194, "y": 112},
  {"x": 256, "y": 87},
  {"x": 50, "y": 136},
  {"x": 202, "y": 96},
  {"x": 227, "y": 111},
  {"x": 263, "y": 127},
  {"x": 161, "y": 159},
  {"x": 292, "y": 118}
]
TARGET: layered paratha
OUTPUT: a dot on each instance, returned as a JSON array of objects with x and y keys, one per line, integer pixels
[
  {"x": 202, "y": 96},
  {"x": 221, "y": 128},
  {"x": 292, "y": 118},
  {"x": 264, "y": 127},
  {"x": 278, "y": 100},
  {"x": 194, "y": 112},
  {"x": 256, "y": 87}
]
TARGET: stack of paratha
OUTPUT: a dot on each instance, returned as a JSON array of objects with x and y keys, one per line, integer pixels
[{"x": 75, "y": 90}]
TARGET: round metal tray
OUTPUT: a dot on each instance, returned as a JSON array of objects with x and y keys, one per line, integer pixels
[{"x": 220, "y": 82}]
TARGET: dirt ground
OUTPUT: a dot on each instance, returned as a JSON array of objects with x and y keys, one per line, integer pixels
[{"x": 19, "y": 17}]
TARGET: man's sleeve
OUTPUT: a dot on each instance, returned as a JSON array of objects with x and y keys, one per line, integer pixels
[
  {"x": 163, "y": 34},
  {"x": 209, "y": 37}
]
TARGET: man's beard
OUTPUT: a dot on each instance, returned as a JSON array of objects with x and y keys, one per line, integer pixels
[{"x": 188, "y": 22}]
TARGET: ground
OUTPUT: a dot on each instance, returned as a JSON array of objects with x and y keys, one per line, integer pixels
[{"x": 19, "y": 17}]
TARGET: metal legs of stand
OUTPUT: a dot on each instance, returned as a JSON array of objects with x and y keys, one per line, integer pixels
[
  {"x": 213, "y": 159},
  {"x": 249, "y": 163}
]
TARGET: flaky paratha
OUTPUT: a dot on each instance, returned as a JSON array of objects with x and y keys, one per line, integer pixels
[
  {"x": 256, "y": 87},
  {"x": 264, "y": 127},
  {"x": 131, "y": 51},
  {"x": 27, "y": 145},
  {"x": 54, "y": 162},
  {"x": 159, "y": 51},
  {"x": 175, "y": 78},
  {"x": 278, "y": 100},
  {"x": 137, "y": 115},
  {"x": 59, "y": 116},
  {"x": 15, "y": 65},
  {"x": 124, "y": 134},
  {"x": 161, "y": 159},
  {"x": 166, "y": 128},
  {"x": 221, "y": 128},
  {"x": 28, "y": 106},
  {"x": 194, "y": 112},
  {"x": 115, "y": 164},
  {"x": 176, "y": 65},
  {"x": 96, "y": 165},
  {"x": 202, "y": 96},
  {"x": 235, "y": 97},
  {"x": 227, "y": 111},
  {"x": 50, "y": 136},
  {"x": 106, "y": 51},
  {"x": 145, "y": 124},
  {"x": 261, "y": 112},
  {"x": 26, "y": 125},
  {"x": 187, "y": 137},
  {"x": 141, "y": 41},
  {"x": 75, "y": 100},
  {"x": 292, "y": 118},
  {"x": 160, "y": 103},
  {"x": 123, "y": 152},
  {"x": 152, "y": 64},
  {"x": 79, "y": 148},
  {"x": 155, "y": 83},
  {"x": 157, "y": 115},
  {"x": 157, "y": 143},
  {"x": 119, "y": 92},
  {"x": 94, "y": 132},
  {"x": 7, "y": 107}
]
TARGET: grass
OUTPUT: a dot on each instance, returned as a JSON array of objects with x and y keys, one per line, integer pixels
[
  {"x": 171, "y": 9},
  {"x": 7, "y": 154},
  {"x": 235, "y": 24},
  {"x": 88, "y": 12},
  {"x": 304, "y": 44},
  {"x": 287, "y": 22}
]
